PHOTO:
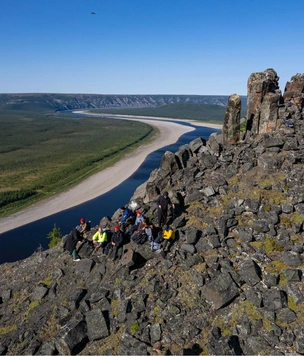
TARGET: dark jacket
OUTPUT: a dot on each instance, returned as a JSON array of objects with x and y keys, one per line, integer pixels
[
  {"x": 117, "y": 238},
  {"x": 71, "y": 240},
  {"x": 163, "y": 202}
]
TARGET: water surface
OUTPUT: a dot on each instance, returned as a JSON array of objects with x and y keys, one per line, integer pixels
[{"x": 21, "y": 242}]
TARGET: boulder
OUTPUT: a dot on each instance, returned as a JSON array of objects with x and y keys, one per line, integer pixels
[
  {"x": 96, "y": 324},
  {"x": 220, "y": 291},
  {"x": 72, "y": 337}
]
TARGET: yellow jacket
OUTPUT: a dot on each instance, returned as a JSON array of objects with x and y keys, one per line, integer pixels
[
  {"x": 169, "y": 234},
  {"x": 100, "y": 236}
]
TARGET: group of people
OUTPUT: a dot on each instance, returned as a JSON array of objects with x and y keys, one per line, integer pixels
[{"x": 134, "y": 225}]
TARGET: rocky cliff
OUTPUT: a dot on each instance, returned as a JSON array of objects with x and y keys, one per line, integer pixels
[
  {"x": 232, "y": 282},
  {"x": 92, "y": 101}
]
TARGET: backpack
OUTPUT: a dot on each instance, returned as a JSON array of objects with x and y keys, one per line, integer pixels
[
  {"x": 88, "y": 227},
  {"x": 140, "y": 238}
]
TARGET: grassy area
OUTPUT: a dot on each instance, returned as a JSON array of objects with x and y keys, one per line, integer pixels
[
  {"x": 202, "y": 112},
  {"x": 43, "y": 155}
]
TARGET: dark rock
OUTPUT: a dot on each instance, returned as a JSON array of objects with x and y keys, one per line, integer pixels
[
  {"x": 170, "y": 162},
  {"x": 179, "y": 222},
  {"x": 84, "y": 267},
  {"x": 250, "y": 272},
  {"x": 48, "y": 348},
  {"x": 155, "y": 332},
  {"x": 274, "y": 299},
  {"x": 72, "y": 337},
  {"x": 225, "y": 346},
  {"x": 131, "y": 346},
  {"x": 39, "y": 292},
  {"x": 192, "y": 235},
  {"x": 138, "y": 303},
  {"x": 292, "y": 275},
  {"x": 76, "y": 297},
  {"x": 214, "y": 241},
  {"x": 245, "y": 236},
  {"x": 129, "y": 258},
  {"x": 258, "y": 85},
  {"x": 220, "y": 291},
  {"x": 231, "y": 125},
  {"x": 96, "y": 324},
  {"x": 291, "y": 258},
  {"x": 188, "y": 248},
  {"x": 196, "y": 144},
  {"x": 286, "y": 315}
]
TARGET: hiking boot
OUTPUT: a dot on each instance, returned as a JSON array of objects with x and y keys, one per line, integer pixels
[{"x": 77, "y": 259}]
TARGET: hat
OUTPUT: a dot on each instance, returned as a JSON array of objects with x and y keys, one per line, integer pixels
[
  {"x": 138, "y": 212},
  {"x": 123, "y": 208},
  {"x": 165, "y": 227},
  {"x": 82, "y": 220},
  {"x": 117, "y": 227},
  {"x": 166, "y": 194}
]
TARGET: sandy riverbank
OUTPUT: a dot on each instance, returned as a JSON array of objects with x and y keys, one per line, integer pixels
[{"x": 104, "y": 181}]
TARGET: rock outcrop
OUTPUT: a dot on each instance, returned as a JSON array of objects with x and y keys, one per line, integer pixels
[
  {"x": 232, "y": 282},
  {"x": 231, "y": 125},
  {"x": 267, "y": 109}
]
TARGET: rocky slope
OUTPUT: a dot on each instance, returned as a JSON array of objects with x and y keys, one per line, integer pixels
[{"x": 232, "y": 281}]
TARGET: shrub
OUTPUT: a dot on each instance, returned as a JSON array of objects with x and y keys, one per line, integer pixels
[{"x": 55, "y": 236}]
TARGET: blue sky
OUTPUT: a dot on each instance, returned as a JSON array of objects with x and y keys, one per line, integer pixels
[{"x": 203, "y": 47}]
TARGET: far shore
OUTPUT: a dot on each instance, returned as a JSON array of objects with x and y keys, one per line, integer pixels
[{"x": 107, "y": 179}]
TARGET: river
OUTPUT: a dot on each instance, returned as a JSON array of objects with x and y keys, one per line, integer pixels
[{"x": 21, "y": 242}]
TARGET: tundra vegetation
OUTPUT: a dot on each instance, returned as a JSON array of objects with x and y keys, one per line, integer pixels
[
  {"x": 43, "y": 155},
  {"x": 43, "y": 152},
  {"x": 201, "y": 112}
]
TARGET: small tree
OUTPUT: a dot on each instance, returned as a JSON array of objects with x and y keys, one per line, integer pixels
[{"x": 55, "y": 236}]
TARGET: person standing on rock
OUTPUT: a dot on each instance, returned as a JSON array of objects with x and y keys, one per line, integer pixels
[{"x": 163, "y": 203}]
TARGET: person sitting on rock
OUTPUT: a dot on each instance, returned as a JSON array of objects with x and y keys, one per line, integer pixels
[
  {"x": 139, "y": 219},
  {"x": 70, "y": 244},
  {"x": 168, "y": 236},
  {"x": 100, "y": 238},
  {"x": 84, "y": 227},
  {"x": 127, "y": 217},
  {"x": 116, "y": 242}
]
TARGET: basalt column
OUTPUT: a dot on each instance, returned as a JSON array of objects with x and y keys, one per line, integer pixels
[
  {"x": 294, "y": 100},
  {"x": 231, "y": 125},
  {"x": 263, "y": 99}
]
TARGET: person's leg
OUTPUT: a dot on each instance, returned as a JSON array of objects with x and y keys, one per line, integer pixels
[
  {"x": 74, "y": 255},
  {"x": 165, "y": 213},
  {"x": 103, "y": 246},
  {"x": 115, "y": 250},
  {"x": 165, "y": 244},
  {"x": 107, "y": 249},
  {"x": 159, "y": 215}
]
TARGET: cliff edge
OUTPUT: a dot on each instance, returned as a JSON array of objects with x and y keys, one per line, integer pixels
[{"x": 232, "y": 282}]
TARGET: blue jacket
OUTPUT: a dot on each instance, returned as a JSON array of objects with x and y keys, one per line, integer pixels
[{"x": 126, "y": 214}]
